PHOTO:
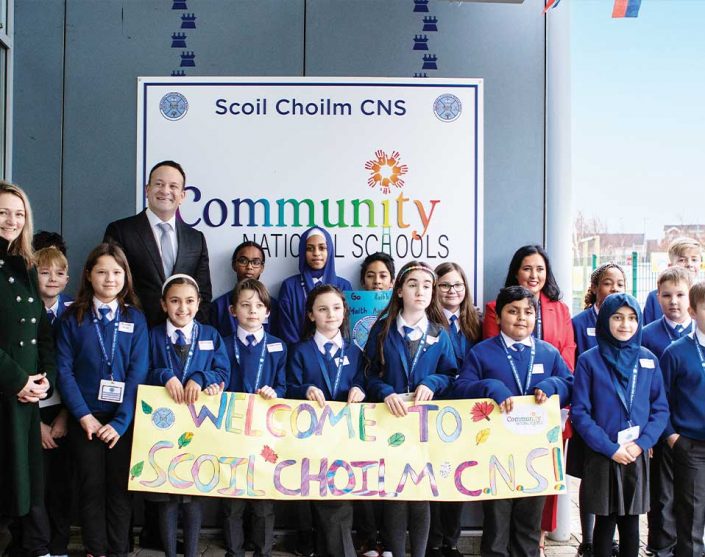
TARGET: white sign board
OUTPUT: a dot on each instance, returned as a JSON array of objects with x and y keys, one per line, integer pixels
[{"x": 391, "y": 165}]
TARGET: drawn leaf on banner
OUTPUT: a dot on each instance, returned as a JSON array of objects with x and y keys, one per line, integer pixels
[
  {"x": 396, "y": 439},
  {"x": 146, "y": 408},
  {"x": 482, "y": 411},
  {"x": 269, "y": 455},
  {"x": 185, "y": 439},
  {"x": 482, "y": 436},
  {"x": 136, "y": 470},
  {"x": 553, "y": 434}
]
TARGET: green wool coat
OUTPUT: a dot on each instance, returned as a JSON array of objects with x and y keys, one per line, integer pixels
[{"x": 26, "y": 348}]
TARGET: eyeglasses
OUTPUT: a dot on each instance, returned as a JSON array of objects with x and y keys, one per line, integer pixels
[
  {"x": 244, "y": 261},
  {"x": 446, "y": 286}
]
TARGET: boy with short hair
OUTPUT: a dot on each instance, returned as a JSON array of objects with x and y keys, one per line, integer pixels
[
  {"x": 513, "y": 363},
  {"x": 53, "y": 276},
  {"x": 683, "y": 367},
  {"x": 673, "y": 286},
  {"x": 682, "y": 252}
]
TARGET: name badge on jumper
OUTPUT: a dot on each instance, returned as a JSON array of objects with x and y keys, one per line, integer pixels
[
  {"x": 591, "y": 331},
  {"x": 111, "y": 391},
  {"x": 647, "y": 363},
  {"x": 431, "y": 340},
  {"x": 205, "y": 345},
  {"x": 538, "y": 369},
  {"x": 407, "y": 397},
  {"x": 345, "y": 361},
  {"x": 126, "y": 327},
  {"x": 275, "y": 347},
  {"x": 627, "y": 435}
]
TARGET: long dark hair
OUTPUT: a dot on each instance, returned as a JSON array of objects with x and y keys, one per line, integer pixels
[
  {"x": 308, "y": 329},
  {"x": 84, "y": 299},
  {"x": 395, "y": 306},
  {"x": 550, "y": 288},
  {"x": 469, "y": 319}
]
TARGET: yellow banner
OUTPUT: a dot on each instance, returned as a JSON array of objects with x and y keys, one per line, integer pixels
[{"x": 240, "y": 445}]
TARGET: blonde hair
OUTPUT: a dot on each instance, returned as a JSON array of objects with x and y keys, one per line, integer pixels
[
  {"x": 676, "y": 275},
  {"x": 679, "y": 246},
  {"x": 46, "y": 257},
  {"x": 22, "y": 246}
]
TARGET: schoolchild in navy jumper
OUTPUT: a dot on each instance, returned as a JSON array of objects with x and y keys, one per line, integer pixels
[
  {"x": 620, "y": 410},
  {"x": 257, "y": 365},
  {"x": 377, "y": 273},
  {"x": 409, "y": 358},
  {"x": 673, "y": 286},
  {"x": 186, "y": 357},
  {"x": 316, "y": 266},
  {"x": 607, "y": 279},
  {"x": 513, "y": 363},
  {"x": 53, "y": 277},
  {"x": 327, "y": 365},
  {"x": 248, "y": 263},
  {"x": 102, "y": 356},
  {"x": 682, "y": 252},
  {"x": 465, "y": 331},
  {"x": 683, "y": 367}
]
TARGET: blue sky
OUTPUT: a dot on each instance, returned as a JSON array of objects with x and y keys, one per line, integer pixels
[{"x": 638, "y": 121}]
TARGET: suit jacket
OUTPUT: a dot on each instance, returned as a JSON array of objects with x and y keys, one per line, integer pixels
[
  {"x": 134, "y": 235},
  {"x": 555, "y": 322}
]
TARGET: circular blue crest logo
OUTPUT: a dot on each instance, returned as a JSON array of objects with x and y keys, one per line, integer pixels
[
  {"x": 173, "y": 106},
  {"x": 163, "y": 418},
  {"x": 447, "y": 108}
]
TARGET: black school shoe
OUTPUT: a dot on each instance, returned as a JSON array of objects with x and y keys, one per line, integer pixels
[
  {"x": 585, "y": 550},
  {"x": 434, "y": 552},
  {"x": 451, "y": 551}
]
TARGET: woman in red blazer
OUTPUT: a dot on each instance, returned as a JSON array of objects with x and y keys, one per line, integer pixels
[{"x": 531, "y": 268}]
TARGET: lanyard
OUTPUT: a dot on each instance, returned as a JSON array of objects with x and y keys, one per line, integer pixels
[
  {"x": 410, "y": 371},
  {"x": 324, "y": 369},
  {"x": 170, "y": 349},
  {"x": 539, "y": 327},
  {"x": 632, "y": 391},
  {"x": 530, "y": 371},
  {"x": 101, "y": 340},
  {"x": 260, "y": 365},
  {"x": 700, "y": 352}
]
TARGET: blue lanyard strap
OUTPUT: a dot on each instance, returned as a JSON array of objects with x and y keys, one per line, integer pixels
[
  {"x": 529, "y": 372},
  {"x": 621, "y": 393},
  {"x": 101, "y": 340},
  {"x": 697, "y": 347},
  {"x": 262, "y": 354},
  {"x": 170, "y": 349},
  {"x": 324, "y": 369}
]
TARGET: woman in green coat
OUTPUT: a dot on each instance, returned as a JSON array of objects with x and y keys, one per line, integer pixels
[{"x": 27, "y": 368}]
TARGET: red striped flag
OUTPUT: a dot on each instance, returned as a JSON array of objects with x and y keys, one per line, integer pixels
[
  {"x": 626, "y": 8},
  {"x": 550, "y": 4}
]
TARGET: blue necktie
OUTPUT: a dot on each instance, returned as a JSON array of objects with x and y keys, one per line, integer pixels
[
  {"x": 250, "y": 340},
  {"x": 519, "y": 347},
  {"x": 180, "y": 338},
  {"x": 407, "y": 333},
  {"x": 51, "y": 315},
  {"x": 104, "y": 311},
  {"x": 168, "y": 257},
  {"x": 679, "y": 330},
  {"x": 328, "y": 346}
]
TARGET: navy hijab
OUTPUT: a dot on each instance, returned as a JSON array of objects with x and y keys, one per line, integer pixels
[
  {"x": 327, "y": 274},
  {"x": 621, "y": 356}
]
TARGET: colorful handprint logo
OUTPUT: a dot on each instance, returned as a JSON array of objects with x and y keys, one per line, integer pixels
[{"x": 385, "y": 171}]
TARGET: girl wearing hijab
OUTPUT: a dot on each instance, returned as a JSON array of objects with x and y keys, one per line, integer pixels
[
  {"x": 316, "y": 266},
  {"x": 620, "y": 410}
]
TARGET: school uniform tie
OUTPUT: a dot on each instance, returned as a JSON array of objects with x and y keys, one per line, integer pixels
[
  {"x": 455, "y": 334},
  {"x": 51, "y": 315},
  {"x": 180, "y": 338},
  {"x": 330, "y": 364},
  {"x": 678, "y": 330},
  {"x": 168, "y": 257},
  {"x": 104, "y": 311},
  {"x": 250, "y": 340}
]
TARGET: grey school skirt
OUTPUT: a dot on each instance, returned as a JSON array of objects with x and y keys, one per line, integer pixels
[{"x": 612, "y": 488}]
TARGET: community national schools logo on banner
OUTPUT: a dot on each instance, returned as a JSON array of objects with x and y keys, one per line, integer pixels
[
  {"x": 173, "y": 106},
  {"x": 386, "y": 171},
  {"x": 526, "y": 420},
  {"x": 447, "y": 108}
]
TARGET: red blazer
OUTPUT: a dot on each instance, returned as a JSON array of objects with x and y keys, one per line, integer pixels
[{"x": 555, "y": 321}]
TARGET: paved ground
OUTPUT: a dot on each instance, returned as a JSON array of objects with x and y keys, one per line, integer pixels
[{"x": 211, "y": 543}]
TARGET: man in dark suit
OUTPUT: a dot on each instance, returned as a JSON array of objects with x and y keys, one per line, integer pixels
[{"x": 158, "y": 244}]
